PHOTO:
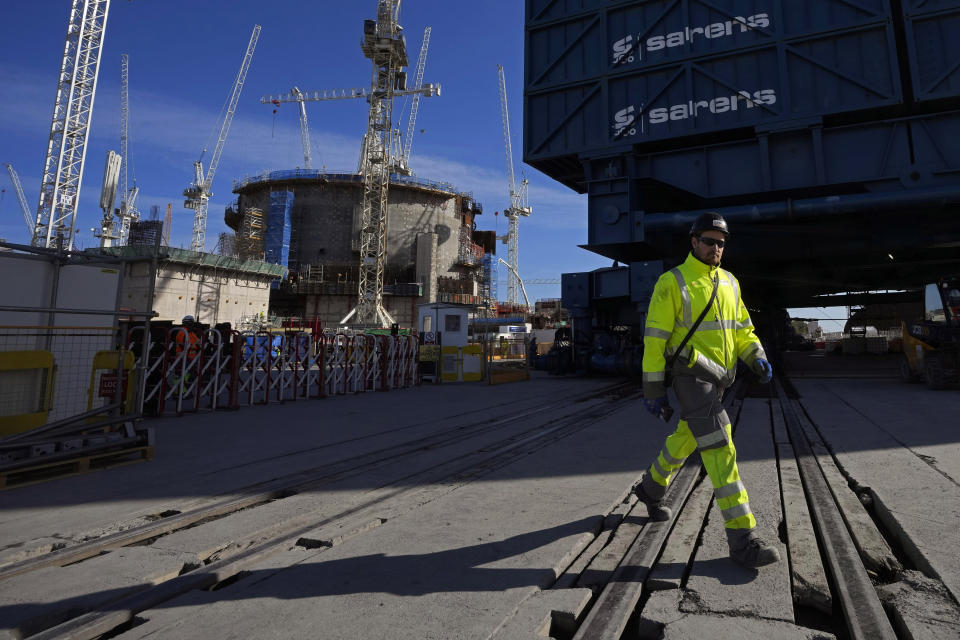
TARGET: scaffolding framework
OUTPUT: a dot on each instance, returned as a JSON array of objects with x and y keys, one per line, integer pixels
[{"x": 250, "y": 238}]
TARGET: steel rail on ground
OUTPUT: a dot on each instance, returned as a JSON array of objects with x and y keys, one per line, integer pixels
[
  {"x": 608, "y": 618},
  {"x": 862, "y": 609},
  {"x": 122, "y": 611},
  {"x": 278, "y": 487}
]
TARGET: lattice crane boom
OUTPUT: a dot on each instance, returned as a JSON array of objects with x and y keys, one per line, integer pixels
[
  {"x": 304, "y": 129},
  {"x": 128, "y": 209},
  {"x": 18, "y": 189},
  {"x": 55, "y": 221},
  {"x": 515, "y": 274},
  {"x": 508, "y": 148},
  {"x": 518, "y": 199},
  {"x": 427, "y": 91},
  {"x": 415, "y": 102},
  {"x": 198, "y": 194}
]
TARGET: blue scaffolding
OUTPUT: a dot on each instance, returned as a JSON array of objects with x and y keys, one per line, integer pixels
[{"x": 276, "y": 246}]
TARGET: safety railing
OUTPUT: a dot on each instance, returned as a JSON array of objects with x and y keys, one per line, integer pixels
[{"x": 190, "y": 370}]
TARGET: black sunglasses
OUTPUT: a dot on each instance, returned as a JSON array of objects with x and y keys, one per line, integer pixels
[{"x": 711, "y": 242}]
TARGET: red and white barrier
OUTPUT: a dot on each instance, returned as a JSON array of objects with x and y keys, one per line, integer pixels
[{"x": 187, "y": 372}]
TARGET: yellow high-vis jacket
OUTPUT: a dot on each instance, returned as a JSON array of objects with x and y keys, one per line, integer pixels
[{"x": 725, "y": 334}]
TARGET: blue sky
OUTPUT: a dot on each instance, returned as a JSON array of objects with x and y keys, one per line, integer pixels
[{"x": 184, "y": 56}]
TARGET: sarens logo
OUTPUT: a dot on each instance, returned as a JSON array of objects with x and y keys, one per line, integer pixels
[
  {"x": 625, "y": 120},
  {"x": 626, "y": 50}
]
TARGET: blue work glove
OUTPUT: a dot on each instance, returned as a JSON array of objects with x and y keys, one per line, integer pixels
[
  {"x": 766, "y": 371},
  {"x": 655, "y": 405}
]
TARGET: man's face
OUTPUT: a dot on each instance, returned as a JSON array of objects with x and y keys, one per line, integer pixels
[{"x": 705, "y": 253}]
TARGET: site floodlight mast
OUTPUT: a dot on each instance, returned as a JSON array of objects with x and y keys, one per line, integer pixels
[
  {"x": 198, "y": 193},
  {"x": 56, "y": 217}
]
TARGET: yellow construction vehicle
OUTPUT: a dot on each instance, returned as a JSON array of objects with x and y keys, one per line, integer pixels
[{"x": 931, "y": 346}]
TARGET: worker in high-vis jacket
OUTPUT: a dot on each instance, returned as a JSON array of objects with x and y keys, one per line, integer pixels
[{"x": 700, "y": 372}]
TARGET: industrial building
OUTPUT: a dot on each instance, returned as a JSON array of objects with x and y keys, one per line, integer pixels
[
  {"x": 309, "y": 222},
  {"x": 213, "y": 289}
]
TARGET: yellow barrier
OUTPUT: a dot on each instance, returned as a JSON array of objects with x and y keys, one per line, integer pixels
[
  {"x": 37, "y": 396},
  {"x": 471, "y": 363},
  {"x": 450, "y": 364}
]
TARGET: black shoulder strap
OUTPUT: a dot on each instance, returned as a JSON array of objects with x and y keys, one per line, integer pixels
[{"x": 703, "y": 314}]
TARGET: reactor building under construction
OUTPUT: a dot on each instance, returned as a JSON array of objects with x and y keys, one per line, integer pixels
[{"x": 309, "y": 222}]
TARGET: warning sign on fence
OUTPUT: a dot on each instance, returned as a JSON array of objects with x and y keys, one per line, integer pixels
[{"x": 108, "y": 385}]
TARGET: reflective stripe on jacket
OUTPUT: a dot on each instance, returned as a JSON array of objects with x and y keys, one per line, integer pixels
[{"x": 725, "y": 334}]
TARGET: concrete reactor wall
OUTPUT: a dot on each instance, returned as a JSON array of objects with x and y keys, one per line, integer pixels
[{"x": 325, "y": 221}]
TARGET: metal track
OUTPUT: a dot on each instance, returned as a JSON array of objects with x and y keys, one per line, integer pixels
[
  {"x": 283, "y": 535},
  {"x": 861, "y": 608},
  {"x": 617, "y": 602},
  {"x": 290, "y": 484}
]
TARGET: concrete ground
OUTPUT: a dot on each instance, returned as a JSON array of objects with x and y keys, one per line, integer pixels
[{"x": 459, "y": 558}]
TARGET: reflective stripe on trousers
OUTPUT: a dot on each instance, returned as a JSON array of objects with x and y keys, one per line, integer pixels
[{"x": 704, "y": 425}]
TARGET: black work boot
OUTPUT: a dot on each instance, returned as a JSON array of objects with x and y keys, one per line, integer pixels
[
  {"x": 748, "y": 550},
  {"x": 656, "y": 510}
]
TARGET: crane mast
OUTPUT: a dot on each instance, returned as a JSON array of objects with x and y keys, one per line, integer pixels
[
  {"x": 415, "y": 102},
  {"x": 304, "y": 129},
  {"x": 384, "y": 45},
  {"x": 198, "y": 194},
  {"x": 18, "y": 188},
  {"x": 518, "y": 200},
  {"x": 56, "y": 217}
]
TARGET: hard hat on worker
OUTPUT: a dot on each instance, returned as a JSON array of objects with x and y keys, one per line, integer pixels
[
  {"x": 187, "y": 319},
  {"x": 709, "y": 221}
]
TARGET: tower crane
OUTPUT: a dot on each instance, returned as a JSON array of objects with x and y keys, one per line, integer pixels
[
  {"x": 128, "y": 195},
  {"x": 404, "y": 163},
  {"x": 295, "y": 95},
  {"x": 386, "y": 48},
  {"x": 24, "y": 207},
  {"x": 56, "y": 217},
  {"x": 519, "y": 205},
  {"x": 384, "y": 45},
  {"x": 198, "y": 193}
]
